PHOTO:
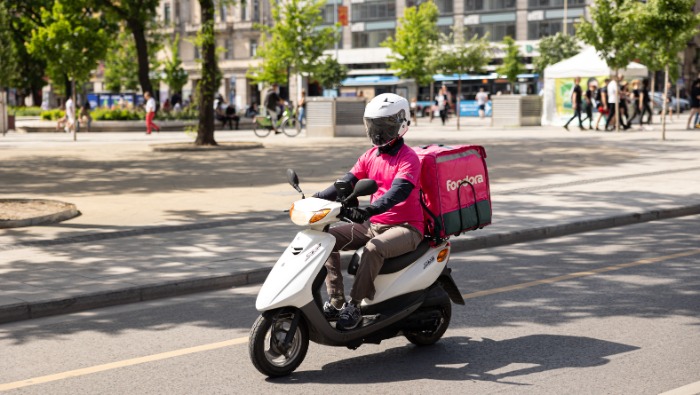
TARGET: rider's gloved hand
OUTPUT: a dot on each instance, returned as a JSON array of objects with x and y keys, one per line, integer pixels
[{"x": 357, "y": 215}]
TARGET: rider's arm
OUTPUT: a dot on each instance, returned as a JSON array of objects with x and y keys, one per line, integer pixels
[
  {"x": 400, "y": 190},
  {"x": 331, "y": 193}
]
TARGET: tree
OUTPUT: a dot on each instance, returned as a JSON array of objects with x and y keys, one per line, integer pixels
[
  {"x": 610, "y": 31},
  {"x": 294, "y": 42},
  {"x": 666, "y": 25},
  {"x": 414, "y": 43},
  {"x": 9, "y": 70},
  {"x": 209, "y": 83},
  {"x": 72, "y": 41},
  {"x": 174, "y": 75},
  {"x": 512, "y": 66},
  {"x": 26, "y": 16},
  {"x": 121, "y": 73},
  {"x": 138, "y": 15},
  {"x": 554, "y": 49},
  {"x": 463, "y": 57},
  {"x": 329, "y": 73}
]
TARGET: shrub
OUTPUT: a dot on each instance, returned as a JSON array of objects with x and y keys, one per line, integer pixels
[
  {"x": 105, "y": 114},
  {"x": 186, "y": 114},
  {"x": 52, "y": 115},
  {"x": 25, "y": 111}
]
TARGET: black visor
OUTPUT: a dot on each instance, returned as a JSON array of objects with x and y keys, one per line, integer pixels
[{"x": 382, "y": 131}]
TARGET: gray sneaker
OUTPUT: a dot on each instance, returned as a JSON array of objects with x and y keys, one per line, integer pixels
[
  {"x": 350, "y": 317},
  {"x": 330, "y": 312}
]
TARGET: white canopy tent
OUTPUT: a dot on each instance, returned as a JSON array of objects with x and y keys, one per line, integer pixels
[{"x": 587, "y": 64}]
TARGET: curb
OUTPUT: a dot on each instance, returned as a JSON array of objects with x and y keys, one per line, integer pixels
[
  {"x": 69, "y": 212},
  {"x": 24, "y": 311},
  {"x": 190, "y": 147}
]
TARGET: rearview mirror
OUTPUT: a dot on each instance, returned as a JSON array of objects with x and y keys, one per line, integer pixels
[
  {"x": 363, "y": 187},
  {"x": 294, "y": 181}
]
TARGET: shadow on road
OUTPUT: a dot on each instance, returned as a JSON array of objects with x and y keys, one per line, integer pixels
[{"x": 460, "y": 359}]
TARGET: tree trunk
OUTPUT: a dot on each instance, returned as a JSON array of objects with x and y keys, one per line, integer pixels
[
  {"x": 208, "y": 85},
  {"x": 459, "y": 96},
  {"x": 664, "y": 105},
  {"x": 138, "y": 31}
]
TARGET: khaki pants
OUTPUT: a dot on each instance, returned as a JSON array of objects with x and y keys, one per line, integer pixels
[{"x": 380, "y": 241}]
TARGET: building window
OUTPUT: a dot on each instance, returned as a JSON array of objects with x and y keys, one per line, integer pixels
[
  {"x": 488, "y": 5},
  {"x": 371, "y": 10},
  {"x": 166, "y": 13},
  {"x": 445, "y": 6},
  {"x": 256, "y": 11},
  {"x": 244, "y": 12},
  {"x": 222, "y": 11},
  {"x": 539, "y": 29},
  {"x": 554, "y": 3},
  {"x": 228, "y": 49},
  {"x": 253, "y": 48},
  {"x": 328, "y": 15},
  {"x": 177, "y": 11},
  {"x": 197, "y": 55},
  {"x": 370, "y": 39},
  {"x": 496, "y": 31}
]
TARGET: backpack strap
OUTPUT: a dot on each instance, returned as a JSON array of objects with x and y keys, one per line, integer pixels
[
  {"x": 459, "y": 203},
  {"x": 437, "y": 227}
]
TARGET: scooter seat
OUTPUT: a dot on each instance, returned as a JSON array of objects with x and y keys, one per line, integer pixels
[{"x": 392, "y": 265}]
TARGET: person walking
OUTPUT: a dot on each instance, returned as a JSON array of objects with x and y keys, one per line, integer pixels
[
  {"x": 302, "y": 109},
  {"x": 441, "y": 100},
  {"x": 613, "y": 98},
  {"x": 645, "y": 100},
  {"x": 481, "y": 99},
  {"x": 150, "y": 113},
  {"x": 694, "y": 104},
  {"x": 588, "y": 105},
  {"x": 576, "y": 104},
  {"x": 636, "y": 102},
  {"x": 602, "y": 100},
  {"x": 70, "y": 115}
]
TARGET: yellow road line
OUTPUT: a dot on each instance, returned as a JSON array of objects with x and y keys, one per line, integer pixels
[
  {"x": 243, "y": 340},
  {"x": 121, "y": 364},
  {"x": 570, "y": 276}
]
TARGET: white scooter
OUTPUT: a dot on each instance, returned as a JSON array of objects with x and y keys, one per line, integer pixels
[{"x": 412, "y": 297}]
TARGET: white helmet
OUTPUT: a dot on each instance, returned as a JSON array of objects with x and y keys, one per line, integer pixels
[{"x": 386, "y": 118}]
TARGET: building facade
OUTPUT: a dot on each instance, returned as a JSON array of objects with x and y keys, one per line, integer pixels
[{"x": 370, "y": 23}]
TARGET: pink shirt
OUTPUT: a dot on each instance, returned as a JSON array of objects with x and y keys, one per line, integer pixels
[{"x": 384, "y": 169}]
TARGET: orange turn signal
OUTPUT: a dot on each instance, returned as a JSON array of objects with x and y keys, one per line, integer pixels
[
  {"x": 442, "y": 255},
  {"x": 319, "y": 215}
]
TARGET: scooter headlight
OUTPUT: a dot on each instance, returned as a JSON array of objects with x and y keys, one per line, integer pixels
[{"x": 301, "y": 217}]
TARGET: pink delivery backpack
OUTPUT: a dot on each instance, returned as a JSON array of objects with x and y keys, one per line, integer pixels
[{"x": 454, "y": 189}]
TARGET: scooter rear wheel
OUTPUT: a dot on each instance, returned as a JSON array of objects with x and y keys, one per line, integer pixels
[
  {"x": 431, "y": 336},
  {"x": 266, "y": 345}
]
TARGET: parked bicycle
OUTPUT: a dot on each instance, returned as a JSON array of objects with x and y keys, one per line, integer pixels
[{"x": 288, "y": 124}]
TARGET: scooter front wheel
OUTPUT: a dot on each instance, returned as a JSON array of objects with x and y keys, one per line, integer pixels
[{"x": 270, "y": 351}]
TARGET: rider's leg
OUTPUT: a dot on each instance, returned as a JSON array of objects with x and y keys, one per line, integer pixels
[
  {"x": 389, "y": 241},
  {"x": 347, "y": 237}
]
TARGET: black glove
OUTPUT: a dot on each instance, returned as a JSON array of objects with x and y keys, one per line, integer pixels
[{"x": 357, "y": 215}]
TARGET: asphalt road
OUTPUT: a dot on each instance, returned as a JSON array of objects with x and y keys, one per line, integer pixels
[{"x": 608, "y": 312}]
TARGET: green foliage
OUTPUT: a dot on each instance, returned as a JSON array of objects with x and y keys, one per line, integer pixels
[
  {"x": 25, "y": 111},
  {"x": 462, "y": 57},
  {"x": 9, "y": 68},
  {"x": 329, "y": 73},
  {"x": 106, "y": 114},
  {"x": 174, "y": 75},
  {"x": 52, "y": 115},
  {"x": 293, "y": 43},
  {"x": 554, "y": 49},
  {"x": 187, "y": 114},
  {"x": 414, "y": 43},
  {"x": 121, "y": 72},
  {"x": 611, "y": 31},
  {"x": 512, "y": 65},
  {"x": 71, "y": 42}
]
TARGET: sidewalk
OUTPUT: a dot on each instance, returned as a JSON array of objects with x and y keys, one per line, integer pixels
[{"x": 160, "y": 224}]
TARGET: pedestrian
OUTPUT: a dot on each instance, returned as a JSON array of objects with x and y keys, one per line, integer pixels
[
  {"x": 694, "y": 104},
  {"x": 601, "y": 99},
  {"x": 441, "y": 101},
  {"x": 414, "y": 109},
  {"x": 588, "y": 105},
  {"x": 302, "y": 109},
  {"x": 645, "y": 100},
  {"x": 392, "y": 224},
  {"x": 150, "y": 113},
  {"x": 624, "y": 101},
  {"x": 669, "y": 101},
  {"x": 481, "y": 99},
  {"x": 70, "y": 115},
  {"x": 576, "y": 100},
  {"x": 636, "y": 102},
  {"x": 613, "y": 98},
  {"x": 84, "y": 116}
]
